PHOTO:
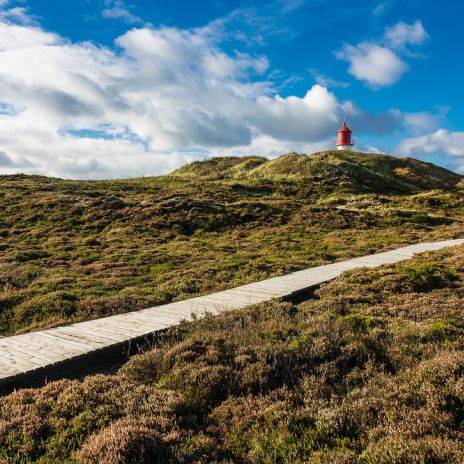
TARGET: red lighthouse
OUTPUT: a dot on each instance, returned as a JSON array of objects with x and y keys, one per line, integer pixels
[{"x": 344, "y": 141}]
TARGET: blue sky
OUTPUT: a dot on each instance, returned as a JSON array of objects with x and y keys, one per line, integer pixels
[{"x": 119, "y": 88}]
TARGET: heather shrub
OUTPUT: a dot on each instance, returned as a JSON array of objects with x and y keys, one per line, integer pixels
[
  {"x": 265, "y": 429},
  {"x": 370, "y": 370},
  {"x": 159, "y": 239},
  {"x": 109, "y": 305},
  {"x": 397, "y": 450},
  {"x": 52, "y": 306},
  {"x": 52, "y": 422},
  {"x": 15, "y": 277},
  {"x": 426, "y": 275},
  {"x": 399, "y": 218},
  {"x": 126, "y": 441},
  {"x": 441, "y": 331},
  {"x": 239, "y": 352}
]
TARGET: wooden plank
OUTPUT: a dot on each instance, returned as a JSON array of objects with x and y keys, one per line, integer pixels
[
  {"x": 62, "y": 339},
  {"x": 92, "y": 333},
  {"x": 152, "y": 318},
  {"x": 38, "y": 355},
  {"x": 93, "y": 343},
  {"x": 79, "y": 337},
  {"x": 17, "y": 362}
]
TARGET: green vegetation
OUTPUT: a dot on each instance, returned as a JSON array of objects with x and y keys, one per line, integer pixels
[
  {"x": 425, "y": 276},
  {"x": 369, "y": 371},
  {"x": 74, "y": 250},
  {"x": 339, "y": 170}
]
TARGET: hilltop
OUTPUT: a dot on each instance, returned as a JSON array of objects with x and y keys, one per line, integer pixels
[{"x": 341, "y": 171}]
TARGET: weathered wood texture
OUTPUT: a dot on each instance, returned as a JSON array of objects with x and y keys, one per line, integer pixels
[{"x": 28, "y": 354}]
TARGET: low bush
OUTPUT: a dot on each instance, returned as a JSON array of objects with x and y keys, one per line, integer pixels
[
  {"x": 49, "y": 424},
  {"x": 427, "y": 275},
  {"x": 125, "y": 441},
  {"x": 369, "y": 371}
]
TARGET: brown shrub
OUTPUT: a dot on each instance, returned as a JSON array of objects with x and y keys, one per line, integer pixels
[
  {"x": 371, "y": 370},
  {"x": 126, "y": 441},
  {"x": 398, "y": 450},
  {"x": 108, "y": 305},
  {"x": 53, "y": 421},
  {"x": 335, "y": 456},
  {"x": 240, "y": 353}
]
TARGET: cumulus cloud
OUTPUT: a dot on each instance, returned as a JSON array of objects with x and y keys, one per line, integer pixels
[
  {"x": 378, "y": 63},
  {"x": 440, "y": 141},
  {"x": 299, "y": 119},
  {"x": 372, "y": 63},
  {"x": 161, "y": 98},
  {"x": 402, "y": 34},
  {"x": 14, "y": 36},
  {"x": 271, "y": 147},
  {"x": 424, "y": 121}
]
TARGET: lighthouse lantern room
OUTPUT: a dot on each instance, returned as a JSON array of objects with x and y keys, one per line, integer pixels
[{"x": 344, "y": 141}]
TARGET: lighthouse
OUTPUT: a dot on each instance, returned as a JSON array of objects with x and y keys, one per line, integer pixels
[{"x": 344, "y": 141}]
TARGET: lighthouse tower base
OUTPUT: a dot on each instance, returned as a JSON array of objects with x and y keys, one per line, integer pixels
[{"x": 344, "y": 147}]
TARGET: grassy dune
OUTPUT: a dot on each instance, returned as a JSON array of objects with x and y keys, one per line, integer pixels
[
  {"x": 368, "y": 371},
  {"x": 74, "y": 250}
]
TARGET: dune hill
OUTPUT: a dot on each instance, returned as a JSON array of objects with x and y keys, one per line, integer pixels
[
  {"x": 75, "y": 250},
  {"x": 349, "y": 171},
  {"x": 368, "y": 370}
]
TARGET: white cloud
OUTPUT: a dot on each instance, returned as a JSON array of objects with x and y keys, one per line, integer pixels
[
  {"x": 17, "y": 15},
  {"x": 327, "y": 81},
  {"x": 423, "y": 121},
  {"x": 116, "y": 9},
  {"x": 402, "y": 34},
  {"x": 271, "y": 147},
  {"x": 13, "y": 36},
  {"x": 378, "y": 63},
  {"x": 309, "y": 119},
  {"x": 372, "y": 63},
  {"x": 441, "y": 141},
  {"x": 164, "y": 97}
]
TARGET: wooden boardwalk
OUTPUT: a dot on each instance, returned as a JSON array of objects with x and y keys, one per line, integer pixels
[{"x": 29, "y": 354}]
